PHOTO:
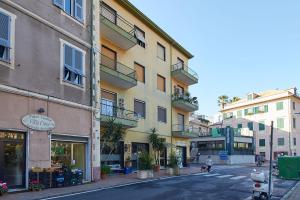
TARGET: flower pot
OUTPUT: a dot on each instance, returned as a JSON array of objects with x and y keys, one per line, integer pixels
[
  {"x": 156, "y": 168},
  {"x": 142, "y": 174},
  {"x": 176, "y": 171}
]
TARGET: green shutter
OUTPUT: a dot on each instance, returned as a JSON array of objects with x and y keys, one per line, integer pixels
[
  {"x": 261, "y": 126},
  {"x": 279, "y": 105},
  {"x": 246, "y": 111},
  {"x": 256, "y": 110},
  {"x": 266, "y": 108},
  {"x": 250, "y": 126},
  {"x": 239, "y": 126},
  {"x": 280, "y": 123},
  {"x": 262, "y": 142}
]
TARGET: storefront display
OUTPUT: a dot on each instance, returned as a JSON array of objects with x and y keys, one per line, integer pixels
[{"x": 12, "y": 158}]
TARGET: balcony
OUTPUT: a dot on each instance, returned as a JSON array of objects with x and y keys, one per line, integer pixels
[
  {"x": 117, "y": 74},
  {"x": 119, "y": 115},
  {"x": 116, "y": 29},
  {"x": 184, "y": 74},
  {"x": 182, "y": 131},
  {"x": 185, "y": 102}
]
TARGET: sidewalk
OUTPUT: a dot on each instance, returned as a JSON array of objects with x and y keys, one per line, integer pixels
[
  {"x": 294, "y": 194},
  {"x": 111, "y": 181}
]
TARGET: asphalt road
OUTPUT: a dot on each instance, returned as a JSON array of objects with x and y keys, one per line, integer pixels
[{"x": 224, "y": 183}]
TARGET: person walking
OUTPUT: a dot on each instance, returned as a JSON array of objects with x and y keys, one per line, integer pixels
[{"x": 209, "y": 163}]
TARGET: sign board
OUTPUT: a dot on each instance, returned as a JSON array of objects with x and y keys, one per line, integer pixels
[
  {"x": 38, "y": 122},
  {"x": 223, "y": 155}
]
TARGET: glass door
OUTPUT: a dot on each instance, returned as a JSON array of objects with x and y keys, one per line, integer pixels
[{"x": 12, "y": 159}]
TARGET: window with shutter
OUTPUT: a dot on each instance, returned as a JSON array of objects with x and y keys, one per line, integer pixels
[
  {"x": 4, "y": 37},
  {"x": 162, "y": 114},
  {"x": 161, "y": 83},
  {"x": 109, "y": 13},
  {"x": 79, "y": 10},
  {"x": 139, "y": 108},
  {"x": 140, "y": 36},
  {"x": 74, "y": 8},
  {"x": 59, "y": 3},
  {"x": 161, "y": 52},
  {"x": 140, "y": 72},
  {"x": 73, "y": 65}
]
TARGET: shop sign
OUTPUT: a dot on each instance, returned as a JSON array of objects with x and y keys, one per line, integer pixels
[{"x": 38, "y": 122}]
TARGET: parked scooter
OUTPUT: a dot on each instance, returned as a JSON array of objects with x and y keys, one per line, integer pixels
[{"x": 261, "y": 186}]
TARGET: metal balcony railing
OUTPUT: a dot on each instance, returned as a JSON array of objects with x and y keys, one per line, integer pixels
[
  {"x": 116, "y": 112},
  {"x": 116, "y": 19},
  {"x": 186, "y": 98},
  {"x": 118, "y": 67},
  {"x": 184, "y": 130},
  {"x": 180, "y": 66}
]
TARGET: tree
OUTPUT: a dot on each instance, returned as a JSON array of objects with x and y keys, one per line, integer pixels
[
  {"x": 222, "y": 100},
  {"x": 235, "y": 99},
  {"x": 157, "y": 144}
]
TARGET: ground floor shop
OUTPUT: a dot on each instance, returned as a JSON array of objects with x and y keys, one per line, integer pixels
[
  {"x": 182, "y": 146},
  {"x": 38, "y": 135}
]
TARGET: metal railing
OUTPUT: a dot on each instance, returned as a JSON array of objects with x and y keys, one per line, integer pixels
[
  {"x": 180, "y": 66},
  {"x": 117, "y": 112},
  {"x": 118, "y": 67},
  {"x": 116, "y": 19},
  {"x": 185, "y": 98},
  {"x": 185, "y": 130}
]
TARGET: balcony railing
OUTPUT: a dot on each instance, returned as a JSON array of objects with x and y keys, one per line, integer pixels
[
  {"x": 180, "y": 66},
  {"x": 117, "y": 113},
  {"x": 117, "y": 20},
  {"x": 185, "y": 98},
  {"x": 118, "y": 67},
  {"x": 180, "y": 130}
]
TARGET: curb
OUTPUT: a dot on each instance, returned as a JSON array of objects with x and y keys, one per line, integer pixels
[
  {"x": 111, "y": 187},
  {"x": 287, "y": 195}
]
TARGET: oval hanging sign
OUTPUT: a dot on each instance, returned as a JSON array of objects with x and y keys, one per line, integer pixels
[{"x": 38, "y": 122}]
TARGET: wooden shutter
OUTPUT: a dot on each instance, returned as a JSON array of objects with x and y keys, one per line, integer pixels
[
  {"x": 161, "y": 52},
  {"x": 140, "y": 72},
  {"x": 161, "y": 83},
  {"x": 109, "y": 13},
  {"x": 109, "y": 58},
  {"x": 4, "y": 30},
  {"x": 79, "y": 10},
  {"x": 59, "y": 3},
  {"x": 108, "y": 95}
]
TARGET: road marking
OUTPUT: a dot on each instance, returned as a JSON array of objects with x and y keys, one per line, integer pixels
[
  {"x": 202, "y": 173},
  {"x": 248, "y": 198},
  {"x": 224, "y": 176},
  {"x": 237, "y": 177},
  {"x": 210, "y": 175}
]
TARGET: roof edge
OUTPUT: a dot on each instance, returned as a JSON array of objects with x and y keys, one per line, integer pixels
[{"x": 141, "y": 16}]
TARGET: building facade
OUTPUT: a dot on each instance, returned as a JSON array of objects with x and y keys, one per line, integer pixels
[
  {"x": 199, "y": 123},
  {"x": 142, "y": 68},
  {"x": 256, "y": 112},
  {"x": 47, "y": 116}
]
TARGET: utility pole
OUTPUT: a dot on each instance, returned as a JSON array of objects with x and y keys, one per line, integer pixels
[{"x": 271, "y": 160}]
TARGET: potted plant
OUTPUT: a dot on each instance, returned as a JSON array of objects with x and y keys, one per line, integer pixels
[
  {"x": 145, "y": 170},
  {"x": 3, "y": 188},
  {"x": 173, "y": 168},
  {"x": 105, "y": 170},
  {"x": 35, "y": 185},
  {"x": 157, "y": 146},
  {"x": 128, "y": 162}
]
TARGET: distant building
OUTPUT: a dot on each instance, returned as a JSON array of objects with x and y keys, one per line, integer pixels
[
  {"x": 199, "y": 123},
  {"x": 257, "y": 110}
]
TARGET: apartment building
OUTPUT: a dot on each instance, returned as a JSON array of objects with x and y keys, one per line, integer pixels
[
  {"x": 257, "y": 110},
  {"x": 199, "y": 124},
  {"x": 46, "y": 96},
  {"x": 144, "y": 82}
]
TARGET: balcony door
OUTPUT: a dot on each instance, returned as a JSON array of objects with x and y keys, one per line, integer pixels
[
  {"x": 109, "y": 58},
  {"x": 108, "y": 103},
  {"x": 109, "y": 13},
  {"x": 180, "y": 120},
  {"x": 180, "y": 63}
]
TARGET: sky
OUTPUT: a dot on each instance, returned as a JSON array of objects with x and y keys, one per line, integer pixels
[{"x": 239, "y": 46}]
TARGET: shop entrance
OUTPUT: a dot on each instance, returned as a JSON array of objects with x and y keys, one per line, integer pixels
[
  {"x": 181, "y": 153},
  {"x": 136, "y": 149},
  {"x": 12, "y": 159}
]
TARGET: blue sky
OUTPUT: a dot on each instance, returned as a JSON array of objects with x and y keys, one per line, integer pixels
[{"x": 240, "y": 46}]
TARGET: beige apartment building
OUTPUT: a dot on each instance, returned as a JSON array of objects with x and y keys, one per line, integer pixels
[{"x": 257, "y": 110}]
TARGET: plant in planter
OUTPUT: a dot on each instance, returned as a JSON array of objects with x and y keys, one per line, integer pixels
[
  {"x": 35, "y": 185},
  {"x": 145, "y": 161},
  {"x": 105, "y": 170},
  {"x": 173, "y": 168},
  {"x": 3, "y": 188},
  {"x": 158, "y": 146}
]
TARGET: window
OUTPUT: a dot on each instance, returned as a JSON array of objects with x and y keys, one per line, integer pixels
[
  {"x": 250, "y": 126},
  {"x": 280, "y": 123},
  {"x": 279, "y": 106},
  {"x": 261, "y": 126},
  {"x": 266, "y": 108},
  {"x": 108, "y": 58},
  {"x": 6, "y": 36},
  {"x": 74, "y": 8},
  {"x": 140, "y": 36},
  {"x": 161, "y": 83},
  {"x": 280, "y": 141},
  {"x": 294, "y": 122},
  {"x": 250, "y": 97},
  {"x": 295, "y": 141},
  {"x": 139, "y": 108},
  {"x": 178, "y": 90},
  {"x": 239, "y": 126},
  {"x": 239, "y": 113},
  {"x": 262, "y": 142},
  {"x": 180, "y": 63},
  {"x": 108, "y": 103},
  {"x": 161, "y": 52},
  {"x": 294, "y": 105},
  {"x": 73, "y": 64},
  {"x": 140, "y": 72},
  {"x": 263, "y": 154},
  {"x": 161, "y": 114},
  {"x": 256, "y": 110}
]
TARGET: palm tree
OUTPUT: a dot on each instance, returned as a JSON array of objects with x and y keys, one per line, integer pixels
[
  {"x": 235, "y": 99},
  {"x": 222, "y": 100}
]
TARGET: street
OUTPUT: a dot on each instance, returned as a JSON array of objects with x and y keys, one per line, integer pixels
[{"x": 223, "y": 183}]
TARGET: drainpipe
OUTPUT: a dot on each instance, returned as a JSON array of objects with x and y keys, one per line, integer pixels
[{"x": 171, "y": 96}]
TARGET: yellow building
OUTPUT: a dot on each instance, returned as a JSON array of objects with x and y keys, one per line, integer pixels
[{"x": 141, "y": 67}]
